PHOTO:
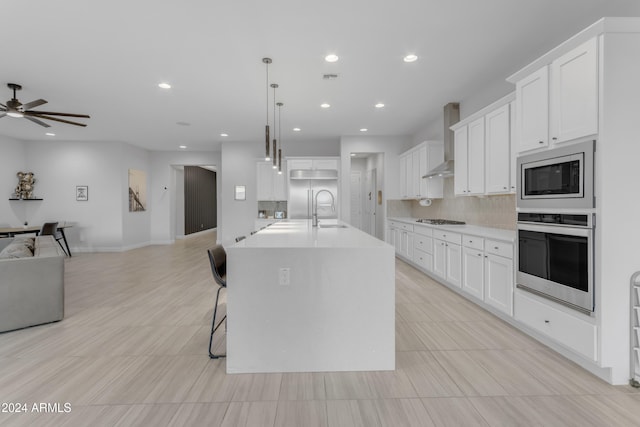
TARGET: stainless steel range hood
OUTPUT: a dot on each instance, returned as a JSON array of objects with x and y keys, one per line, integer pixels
[{"x": 446, "y": 169}]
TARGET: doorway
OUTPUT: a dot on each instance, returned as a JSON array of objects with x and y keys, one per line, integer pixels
[{"x": 367, "y": 177}]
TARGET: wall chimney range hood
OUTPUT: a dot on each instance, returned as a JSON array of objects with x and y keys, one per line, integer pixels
[{"x": 451, "y": 117}]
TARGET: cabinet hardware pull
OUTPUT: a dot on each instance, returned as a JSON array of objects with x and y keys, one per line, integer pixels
[
  {"x": 546, "y": 321},
  {"x": 554, "y": 138},
  {"x": 479, "y": 254},
  {"x": 540, "y": 142},
  {"x": 495, "y": 247}
]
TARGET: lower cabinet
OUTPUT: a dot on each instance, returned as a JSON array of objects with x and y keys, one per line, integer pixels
[
  {"x": 576, "y": 332},
  {"x": 447, "y": 261},
  {"x": 498, "y": 279},
  {"x": 473, "y": 272}
]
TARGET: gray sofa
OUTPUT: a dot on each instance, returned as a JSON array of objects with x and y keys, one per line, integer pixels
[{"x": 31, "y": 287}]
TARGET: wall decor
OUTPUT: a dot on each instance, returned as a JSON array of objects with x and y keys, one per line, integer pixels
[
  {"x": 137, "y": 191},
  {"x": 82, "y": 193},
  {"x": 26, "y": 181},
  {"x": 241, "y": 192}
]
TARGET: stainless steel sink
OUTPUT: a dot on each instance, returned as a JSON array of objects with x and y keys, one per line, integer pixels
[{"x": 332, "y": 226}]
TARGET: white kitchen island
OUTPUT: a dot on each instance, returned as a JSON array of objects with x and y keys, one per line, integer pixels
[{"x": 333, "y": 310}]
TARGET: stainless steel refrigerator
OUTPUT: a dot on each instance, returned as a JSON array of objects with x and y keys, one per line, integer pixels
[{"x": 305, "y": 187}]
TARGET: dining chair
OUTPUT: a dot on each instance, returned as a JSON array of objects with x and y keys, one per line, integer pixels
[
  {"x": 218, "y": 261},
  {"x": 51, "y": 229}
]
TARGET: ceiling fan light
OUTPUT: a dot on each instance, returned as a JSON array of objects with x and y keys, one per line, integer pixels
[{"x": 16, "y": 114}]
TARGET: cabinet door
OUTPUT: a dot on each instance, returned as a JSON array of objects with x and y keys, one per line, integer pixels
[
  {"x": 418, "y": 162},
  {"x": 325, "y": 164},
  {"x": 403, "y": 176},
  {"x": 299, "y": 164},
  {"x": 475, "y": 161},
  {"x": 574, "y": 93},
  {"x": 432, "y": 188},
  {"x": 499, "y": 283},
  {"x": 532, "y": 102},
  {"x": 513, "y": 166},
  {"x": 407, "y": 244},
  {"x": 439, "y": 258},
  {"x": 473, "y": 272},
  {"x": 280, "y": 184},
  {"x": 265, "y": 175},
  {"x": 454, "y": 264},
  {"x": 397, "y": 240},
  {"x": 460, "y": 184},
  {"x": 498, "y": 150}
]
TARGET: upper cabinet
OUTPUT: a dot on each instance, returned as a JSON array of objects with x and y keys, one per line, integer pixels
[
  {"x": 308, "y": 164},
  {"x": 532, "y": 100},
  {"x": 559, "y": 102},
  {"x": 574, "y": 93},
  {"x": 414, "y": 164},
  {"x": 484, "y": 160},
  {"x": 271, "y": 185}
]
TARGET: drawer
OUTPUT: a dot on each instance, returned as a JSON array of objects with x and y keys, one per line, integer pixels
[
  {"x": 407, "y": 227},
  {"x": 392, "y": 224},
  {"x": 568, "y": 330},
  {"x": 425, "y": 231},
  {"x": 473, "y": 242},
  {"x": 448, "y": 236},
  {"x": 499, "y": 248},
  {"x": 423, "y": 243},
  {"x": 423, "y": 259}
]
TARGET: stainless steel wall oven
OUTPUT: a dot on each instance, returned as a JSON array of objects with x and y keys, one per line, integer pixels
[{"x": 555, "y": 257}]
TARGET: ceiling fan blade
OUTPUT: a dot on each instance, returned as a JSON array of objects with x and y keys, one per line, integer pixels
[
  {"x": 32, "y": 104},
  {"x": 51, "y": 113},
  {"x": 34, "y": 120},
  {"x": 32, "y": 115}
]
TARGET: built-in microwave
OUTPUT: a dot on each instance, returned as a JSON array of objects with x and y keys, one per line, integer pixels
[
  {"x": 560, "y": 178},
  {"x": 555, "y": 257}
]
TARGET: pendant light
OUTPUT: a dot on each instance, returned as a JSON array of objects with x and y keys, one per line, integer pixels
[
  {"x": 267, "y": 61},
  {"x": 275, "y": 152},
  {"x": 280, "y": 104}
]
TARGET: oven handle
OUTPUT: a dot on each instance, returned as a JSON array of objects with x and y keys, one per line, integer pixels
[{"x": 555, "y": 229}]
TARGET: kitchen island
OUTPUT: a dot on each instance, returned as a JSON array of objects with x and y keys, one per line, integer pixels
[{"x": 310, "y": 299}]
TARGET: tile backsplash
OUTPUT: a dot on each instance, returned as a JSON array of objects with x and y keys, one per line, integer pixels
[{"x": 489, "y": 211}]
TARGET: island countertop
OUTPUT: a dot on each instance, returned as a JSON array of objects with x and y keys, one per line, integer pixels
[
  {"x": 310, "y": 299},
  {"x": 299, "y": 233}
]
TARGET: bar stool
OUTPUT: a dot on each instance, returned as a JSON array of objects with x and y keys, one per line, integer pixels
[{"x": 218, "y": 261}]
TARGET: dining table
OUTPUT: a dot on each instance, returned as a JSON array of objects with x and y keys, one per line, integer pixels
[{"x": 12, "y": 231}]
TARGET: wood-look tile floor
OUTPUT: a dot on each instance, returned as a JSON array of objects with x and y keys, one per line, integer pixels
[{"x": 132, "y": 351}]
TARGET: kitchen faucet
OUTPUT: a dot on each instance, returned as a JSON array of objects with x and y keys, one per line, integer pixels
[{"x": 315, "y": 210}]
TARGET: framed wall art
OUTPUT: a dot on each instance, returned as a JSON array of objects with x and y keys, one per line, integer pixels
[{"x": 82, "y": 193}]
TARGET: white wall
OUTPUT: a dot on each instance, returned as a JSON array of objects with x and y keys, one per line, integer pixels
[{"x": 14, "y": 160}]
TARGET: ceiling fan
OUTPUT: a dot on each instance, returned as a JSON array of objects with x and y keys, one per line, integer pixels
[{"x": 15, "y": 108}]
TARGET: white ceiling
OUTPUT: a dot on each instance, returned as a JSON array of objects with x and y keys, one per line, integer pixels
[{"x": 106, "y": 58}]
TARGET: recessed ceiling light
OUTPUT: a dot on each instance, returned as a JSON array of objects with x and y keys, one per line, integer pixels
[
  {"x": 224, "y": 134},
  {"x": 182, "y": 147},
  {"x": 379, "y": 105},
  {"x": 164, "y": 85},
  {"x": 331, "y": 58},
  {"x": 364, "y": 130},
  {"x": 410, "y": 58},
  {"x": 325, "y": 105},
  {"x": 296, "y": 129},
  {"x": 50, "y": 134}
]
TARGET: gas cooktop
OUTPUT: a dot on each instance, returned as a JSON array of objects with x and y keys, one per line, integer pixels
[{"x": 440, "y": 222}]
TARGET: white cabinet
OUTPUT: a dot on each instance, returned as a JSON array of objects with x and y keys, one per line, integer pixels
[
  {"x": 400, "y": 235},
  {"x": 559, "y": 102},
  {"x": 270, "y": 184},
  {"x": 483, "y": 156},
  {"x": 414, "y": 164},
  {"x": 475, "y": 160},
  {"x": 461, "y": 183},
  {"x": 498, "y": 278},
  {"x": 447, "y": 256},
  {"x": 473, "y": 266},
  {"x": 532, "y": 103},
  {"x": 513, "y": 146},
  {"x": 311, "y": 163},
  {"x": 498, "y": 151},
  {"x": 423, "y": 248},
  {"x": 572, "y": 331},
  {"x": 574, "y": 93}
]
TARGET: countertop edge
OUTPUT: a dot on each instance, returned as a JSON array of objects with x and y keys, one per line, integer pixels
[{"x": 475, "y": 230}]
